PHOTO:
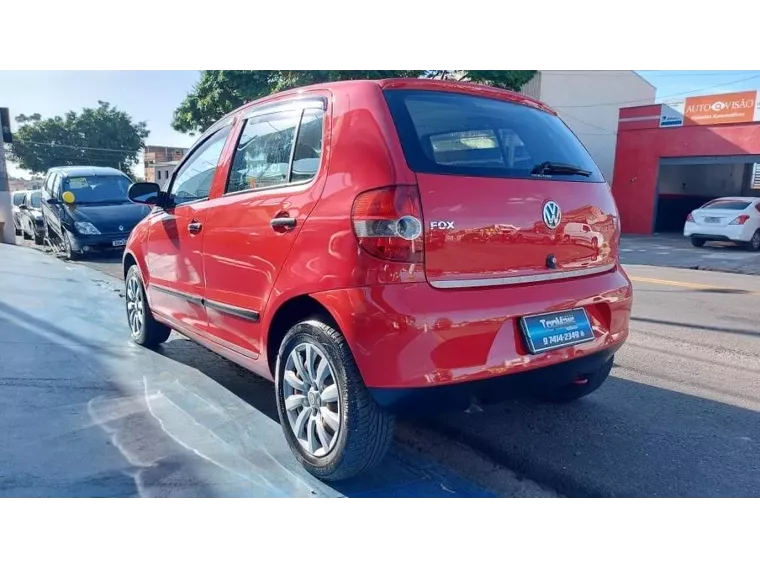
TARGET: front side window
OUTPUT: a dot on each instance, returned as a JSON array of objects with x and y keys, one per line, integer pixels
[
  {"x": 459, "y": 134},
  {"x": 18, "y": 198},
  {"x": 194, "y": 179},
  {"x": 97, "y": 189}
]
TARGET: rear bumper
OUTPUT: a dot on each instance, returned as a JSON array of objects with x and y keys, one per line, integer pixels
[
  {"x": 458, "y": 396},
  {"x": 735, "y": 233},
  {"x": 414, "y": 336}
]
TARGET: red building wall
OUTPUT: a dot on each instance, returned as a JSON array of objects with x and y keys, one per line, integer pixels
[{"x": 640, "y": 145}]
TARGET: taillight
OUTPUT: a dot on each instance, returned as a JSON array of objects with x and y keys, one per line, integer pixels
[
  {"x": 740, "y": 220},
  {"x": 690, "y": 218},
  {"x": 388, "y": 223}
]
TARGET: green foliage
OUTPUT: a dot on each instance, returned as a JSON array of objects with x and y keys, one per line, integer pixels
[
  {"x": 102, "y": 136},
  {"x": 220, "y": 92}
]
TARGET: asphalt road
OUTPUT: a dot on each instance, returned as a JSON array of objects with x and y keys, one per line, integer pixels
[
  {"x": 674, "y": 250},
  {"x": 680, "y": 415}
]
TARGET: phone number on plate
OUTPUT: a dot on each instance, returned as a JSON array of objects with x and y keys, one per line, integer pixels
[{"x": 564, "y": 337}]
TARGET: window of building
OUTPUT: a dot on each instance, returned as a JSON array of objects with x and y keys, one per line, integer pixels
[{"x": 158, "y": 175}]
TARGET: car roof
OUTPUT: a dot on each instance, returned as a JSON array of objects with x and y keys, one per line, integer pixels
[
  {"x": 71, "y": 171},
  {"x": 463, "y": 87}
]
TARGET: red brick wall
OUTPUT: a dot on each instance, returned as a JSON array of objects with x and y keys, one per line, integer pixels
[{"x": 640, "y": 145}]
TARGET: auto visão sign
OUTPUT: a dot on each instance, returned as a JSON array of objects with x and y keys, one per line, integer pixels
[{"x": 727, "y": 108}]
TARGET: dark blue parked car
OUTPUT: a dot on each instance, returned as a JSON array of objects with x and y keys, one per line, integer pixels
[{"x": 86, "y": 209}]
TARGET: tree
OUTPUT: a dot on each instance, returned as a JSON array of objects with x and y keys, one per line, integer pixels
[
  {"x": 220, "y": 92},
  {"x": 102, "y": 136},
  {"x": 512, "y": 80}
]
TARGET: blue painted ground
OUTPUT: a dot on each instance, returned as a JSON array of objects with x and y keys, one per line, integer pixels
[{"x": 85, "y": 412}]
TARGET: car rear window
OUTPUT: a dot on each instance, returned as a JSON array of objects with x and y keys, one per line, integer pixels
[
  {"x": 734, "y": 205},
  {"x": 458, "y": 134}
]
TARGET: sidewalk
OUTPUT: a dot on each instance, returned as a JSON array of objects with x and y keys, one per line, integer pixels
[{"x": 84, "y": 412}]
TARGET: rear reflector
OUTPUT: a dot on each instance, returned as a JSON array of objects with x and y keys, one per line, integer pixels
[{"x": 388, "y": 223}]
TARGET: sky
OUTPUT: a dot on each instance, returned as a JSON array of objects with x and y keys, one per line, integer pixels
[{"x": 152, "y": 96}]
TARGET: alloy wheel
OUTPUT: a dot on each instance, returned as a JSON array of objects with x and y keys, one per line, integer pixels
[
  {"x": 312, "y": 400},
  {"x": 135, "y": 306}
]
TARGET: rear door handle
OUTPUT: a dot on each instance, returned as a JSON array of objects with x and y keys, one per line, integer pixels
[
  {"x": 284, "y": 222},
  {"x": 195, "y": 227}
]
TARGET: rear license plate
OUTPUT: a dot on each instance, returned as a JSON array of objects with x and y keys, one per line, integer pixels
[
  {"x": 120, "y": 242},
  {"x": 712, "y": 219},
  {"x": 544, "y": 332}
]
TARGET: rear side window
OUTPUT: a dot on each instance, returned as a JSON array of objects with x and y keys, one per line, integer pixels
[
  {"x": 457, "y": 134},
  {"x": 277, "y": 149},
  {"x": 18, "y": 198},
  {"x": 728, "y": 205}
]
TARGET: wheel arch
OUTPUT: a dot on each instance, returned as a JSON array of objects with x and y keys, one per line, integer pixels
[
  {"x": 128, "y": 262},
  {"x": 288, "y": 314}
]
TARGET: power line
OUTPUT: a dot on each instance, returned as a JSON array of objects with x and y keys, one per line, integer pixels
[
  {"x": 54, "y": 145},
  {"x": 619, "y": 103}
]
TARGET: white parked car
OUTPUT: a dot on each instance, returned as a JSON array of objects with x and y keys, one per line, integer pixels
[{"x": 728, "y": 219}]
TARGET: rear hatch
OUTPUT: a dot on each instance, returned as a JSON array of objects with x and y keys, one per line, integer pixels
[
  {"x": 509, "y": 195},
  {"x": 720, "y": 212}
]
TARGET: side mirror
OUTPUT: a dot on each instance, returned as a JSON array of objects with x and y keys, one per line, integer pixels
[
  {"x": 53, "y": 201},
  {"x": 144, "y": 193},
  {"x": 23, "y": 207}
]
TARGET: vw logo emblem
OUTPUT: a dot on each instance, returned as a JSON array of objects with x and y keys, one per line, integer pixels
[
  {"x": 552, "y": 214},
  {"x": 121, "y": 227}
]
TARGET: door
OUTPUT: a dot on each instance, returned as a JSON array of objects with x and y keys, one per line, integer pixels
[
  {"x": 53, "y": 212},
  {"x": 250, "y": 229},
  {"x": 175, "y": 239},
  {"x": 508, "y": 193}
]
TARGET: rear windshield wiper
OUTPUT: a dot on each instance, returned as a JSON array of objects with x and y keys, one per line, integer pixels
[{"x": 559, "y": 168}]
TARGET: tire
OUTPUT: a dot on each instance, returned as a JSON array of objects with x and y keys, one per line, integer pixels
[
  {"x": 577, "y": 390},
  {"x": 68, "y": 251},
  {"x": 39, "y": 240},
  {"x": 25, "y": 235},
  {"x": 150, "y": 333},
  {"x": 754, "y": 244},
  {"x": 699, "y": 243},
  {"x": 18, "y": 231},
  {"x": 364, "y": 430}
]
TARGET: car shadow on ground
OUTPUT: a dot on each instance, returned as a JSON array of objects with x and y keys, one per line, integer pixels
[
  {"x": 626, "y": 440},
  {"x": 71, "y": 431},
  {"x": 404, "y": 473}
]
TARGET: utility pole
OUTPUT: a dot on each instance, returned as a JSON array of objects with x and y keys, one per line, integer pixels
[{"x": 6, "y": 206}]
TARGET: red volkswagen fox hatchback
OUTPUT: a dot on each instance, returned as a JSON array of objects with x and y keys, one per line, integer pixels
[{"x": 377, "y": 247}]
